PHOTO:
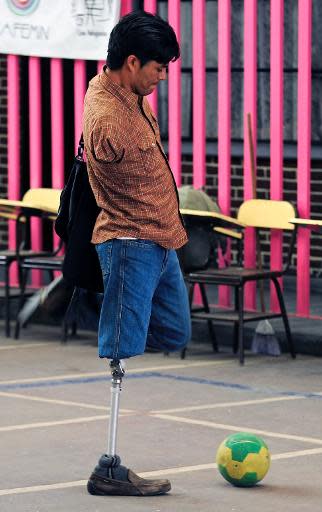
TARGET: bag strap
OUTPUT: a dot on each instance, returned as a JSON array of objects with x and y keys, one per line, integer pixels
[{"x": 80, "y": 149}]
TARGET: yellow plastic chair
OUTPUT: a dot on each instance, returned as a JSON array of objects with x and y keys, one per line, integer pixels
[
  {"x": 46, "y": 199},
  {"x": 43, "y": 203},
  {"x": 201, "y": 250},
  {"x": 259, "y": 214}
]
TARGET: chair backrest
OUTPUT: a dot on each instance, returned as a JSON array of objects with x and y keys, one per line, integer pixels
[
  {"x": 266, "y": 213},
  {"x": 43, "y": 198}
]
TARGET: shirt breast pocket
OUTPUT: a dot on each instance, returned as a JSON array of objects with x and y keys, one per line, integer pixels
[{"x": 149, "y": 153}]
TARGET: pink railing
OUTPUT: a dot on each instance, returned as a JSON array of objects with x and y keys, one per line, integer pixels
[
  {"x": 304, "y": 152},
  {"x": 57, "y": 126},
  {"x": 198, "y": 31},
  {"x": 250, "y": 107},
  {"x": 276, "y": 129},
  {"x": 174, "y": 99},
  {"x": 199, "y": 92},
  {"x": 13, "y": 147},
  {"x": 35, "y": 149},
  {"x": 224, "y": 121},
  {"x": 151, "y": 6}
]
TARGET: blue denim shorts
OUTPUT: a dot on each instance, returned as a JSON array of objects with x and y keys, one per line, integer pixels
[{"x": 145, "y": 299}]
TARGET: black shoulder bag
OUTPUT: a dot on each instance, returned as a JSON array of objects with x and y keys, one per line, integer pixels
[{"x": 74, "y": 225}]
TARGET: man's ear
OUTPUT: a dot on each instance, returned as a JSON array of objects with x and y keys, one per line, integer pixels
[{"x": 133, "y": 63}]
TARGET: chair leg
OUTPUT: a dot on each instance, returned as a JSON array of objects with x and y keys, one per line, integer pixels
[
  {"x": 284, "y": 317},
  {"x": 66, "y": 321},
  {"x": 209, "y": 322},
  {"x": 7, "y": 301},
  {"x": 23, "y": 275},
  {"x": 235, "y": 338},
  {"x": 241, "y": 324},
  {"x": 235, "y": 328},
  {"x": 51, "y": 274},
  {"x": 191, "y": 290}
]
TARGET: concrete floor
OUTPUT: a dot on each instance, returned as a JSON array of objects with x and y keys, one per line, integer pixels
[{"x": 175, "y": 413}]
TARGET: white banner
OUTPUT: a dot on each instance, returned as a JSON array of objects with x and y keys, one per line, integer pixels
[{"x": 68, "y": 29}]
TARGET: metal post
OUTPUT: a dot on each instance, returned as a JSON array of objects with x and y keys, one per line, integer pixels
[{"x": 118, "y": 371}]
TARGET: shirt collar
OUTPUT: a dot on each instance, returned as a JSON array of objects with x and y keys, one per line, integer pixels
[{"x": 128, "y": 98}]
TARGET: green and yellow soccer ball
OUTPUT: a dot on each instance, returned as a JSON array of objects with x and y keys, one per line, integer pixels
[{"x": 243, "y": 459}]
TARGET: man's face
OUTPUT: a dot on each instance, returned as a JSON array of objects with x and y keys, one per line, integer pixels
[{"x": 146, "y": 78}]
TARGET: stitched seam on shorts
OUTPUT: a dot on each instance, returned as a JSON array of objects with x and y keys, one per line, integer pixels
[
  {"x": 105, "y": 257},
  {"x": 118, "y": 319},
  {"x": 140, "y": 244},
  {"x": 107, "y": 275},
  {"x": 165, "y": 261}
]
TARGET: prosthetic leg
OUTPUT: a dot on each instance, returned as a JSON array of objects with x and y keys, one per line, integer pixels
[
  {"x": 118, "y": 371},
  {"x": 109, "y": 476}
]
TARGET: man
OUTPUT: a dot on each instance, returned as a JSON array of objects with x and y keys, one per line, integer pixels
[{"x": 139, "y": 226}]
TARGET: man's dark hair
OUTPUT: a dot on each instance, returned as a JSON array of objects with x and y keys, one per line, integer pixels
[{"x": 144, "y": 35}]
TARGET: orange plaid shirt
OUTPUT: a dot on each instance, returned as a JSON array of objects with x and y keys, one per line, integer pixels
[{"x": 128, "y": 169}]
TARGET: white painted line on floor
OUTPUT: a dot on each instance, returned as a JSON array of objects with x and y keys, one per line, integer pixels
[
  {"x": 123, "y": 412},
  {"x": 8, "y": 394},
  {"x": 25, "y": 345},
  {"x": 149, "y": 474},
  {"x": 55, "y": 377},
  {"x": 107, "y": 372},
  {"x": 58, "y": 402},
  {"x": 175, "y": 366},
  {"x": 221, "y": 426},
  {"x": 228, "y": 404},
  {"x": 177, "y": 470},
  {"x": 42, "y": 488},
  {"x": 299, "y": 453},
  {"x": 201, "y": 467},
  {"x": 25, "y": 426}
]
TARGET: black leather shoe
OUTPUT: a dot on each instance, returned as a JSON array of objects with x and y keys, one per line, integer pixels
[
  {"x": 110, "y": 478},
  {"x": 133, "y": 486}
]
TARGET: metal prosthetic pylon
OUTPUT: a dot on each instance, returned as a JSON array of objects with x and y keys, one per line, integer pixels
[
  {"x": 110, "y": 477},
  {"x": 117, "y": 370}
]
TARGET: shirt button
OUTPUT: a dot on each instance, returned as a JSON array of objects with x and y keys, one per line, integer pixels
[{"x": 153, "y": 144}]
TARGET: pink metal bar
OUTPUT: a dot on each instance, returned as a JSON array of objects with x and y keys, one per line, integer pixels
[
  {"x": 250, "y": 100},
  {"x": 35, "y": 143},
  {"x": 57, "y": 123},
  {"x": 304, "y": 152},
  {"x": 13, "y": 81},
  {"x": 79, "y": 93},
  {"x": 100, "y": 65},
  {"x": 57, "y": 128},
  {"x": 276, "y": 130},
  {"x": 151, "y": 6},
  {"x": 199, "y": 92},
  {"x": 174, "y": 101},
  {"x": 35, "y": 149},
  {"x": 13, "y": 128},
  {"x": 199, "y": 99},
  {"x": 224, "y": 120},
  {"x": 126, "y": 7}
]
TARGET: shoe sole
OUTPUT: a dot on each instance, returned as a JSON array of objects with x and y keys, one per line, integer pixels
[{"x": 95, "y": 491}]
